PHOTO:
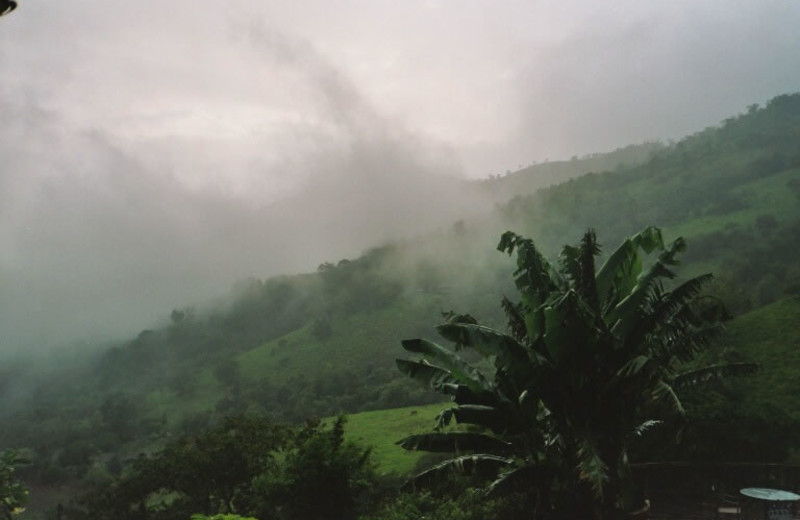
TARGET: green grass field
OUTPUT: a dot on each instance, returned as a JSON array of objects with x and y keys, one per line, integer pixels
[
  {"x": 770, "y": 336},
  {"x": 381, "y": 429}
]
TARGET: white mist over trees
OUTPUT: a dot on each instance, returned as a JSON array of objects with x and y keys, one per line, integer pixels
[{"x": 151, "y": 161}]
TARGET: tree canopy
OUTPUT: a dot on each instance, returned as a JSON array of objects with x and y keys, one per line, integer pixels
[
  {"x": 13, "y": 493},
  {"x": 593, "y": 358}
]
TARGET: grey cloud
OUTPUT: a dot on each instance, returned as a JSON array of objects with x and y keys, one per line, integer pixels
[
  {"x": 656, "y": 74},
  {"x": 99, "y": 241},
  {"x": 153, "y": 153}
]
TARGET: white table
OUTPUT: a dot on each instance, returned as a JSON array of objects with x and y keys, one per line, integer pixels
[{"x": 778, "y": 503}]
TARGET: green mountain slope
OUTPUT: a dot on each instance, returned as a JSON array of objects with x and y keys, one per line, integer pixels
[
  {"x": 537, "y": 176},
  {"x": 324, "y": 343},
  {"x": 770, "y": 336},
  {"x": 733, "y": 192}
]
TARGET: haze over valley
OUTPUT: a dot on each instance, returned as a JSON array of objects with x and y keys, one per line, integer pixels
[
  {"x": 429, "y": 260},
  {"x": 153, "y": 154}
]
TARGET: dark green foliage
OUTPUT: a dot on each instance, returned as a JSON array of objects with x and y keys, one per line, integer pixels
[
  {"x": 322, "y": 477},
  {"x": 720, "y": 172},
  {"x": 753, "y": 419},
  {"x": 206, "y": 473},
  {"x": 228, "y": 374},
  {"x": 246, "y": 466},
  {"x": 727, "y": 204},
  {"x": 266, "y": 310},
  {"x": 13, "y": 493},
  {"x": 767, "y": 272},
  {"x": 538, "y": 176},
  {"x": 794, "y": 186},
  {"x": 471, "y": 504},
  {"x": 77, "y": 455},
  {"x": 764, "y": 166},
  {"x": 731, "y": 189},
  {"x": 112, "y": 402},
  {"x": 114, "y": 466},
  {"x": 220, "y": 517},
  {"x": 120, "y": 415},
  {"x": 322, "y": 328},
  {"x": 766, "y": 223},
  {"x": 358, "y": 285},
  {"x": 769, "y": 336},
  {"x": 593, "y": 361},
  {"x": 723, "y": 428}
]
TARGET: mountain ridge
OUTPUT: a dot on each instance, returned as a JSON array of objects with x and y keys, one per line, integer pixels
[{"x": 321, "y": 343}]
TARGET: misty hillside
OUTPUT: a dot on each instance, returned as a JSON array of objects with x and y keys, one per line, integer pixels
[
  {"x": 528, "y": 180},
  {"x": 324, "y": 342}
]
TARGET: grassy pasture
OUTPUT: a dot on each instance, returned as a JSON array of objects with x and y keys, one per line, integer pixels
[
  {"x": 770, "y": 336},
  {"x": 381, "y": 429}
]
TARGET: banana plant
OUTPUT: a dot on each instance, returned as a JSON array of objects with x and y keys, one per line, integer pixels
[
  {"x": 13, "y": 493},
  {"x": 592, "y": 358}
]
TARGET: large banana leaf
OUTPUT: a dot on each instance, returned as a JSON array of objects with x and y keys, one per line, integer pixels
[
  {"x": 485, "y": 340},
  {"x": 455, "y": 442},
  {"x": 645, "y": 426},
  {"x": 570, "y": 326},
  {"x": 509, "y": 354},
  {"x": 498, "y": 420},
  {"x": 634, "y": 366},
  {"x": 577, "y": 263},
  {"x": 463, "y": 395},
  {"x": 516, "y": 319},
  {"x": 591, "y": 467},
  {"x": 663, "y": 391},
  {"x": 521, "y": 478},
  {"x": 570, "y": 262},
  {"x": 534, "y": 277},
  {"x": 685, "y": 335},
  {"x": 667, "y": 306},
  {"x": 534, "y": 320},
  {"x": 533, "y": 270},
  {"x": 617, "y": 277},
  {"x": 458, "y": 368},
  {"x": 713, "y": 372},
  {"x": 427, "y": 374},
  {"x": 625, "y": 315},
  {"x": 482, "y": 464}
]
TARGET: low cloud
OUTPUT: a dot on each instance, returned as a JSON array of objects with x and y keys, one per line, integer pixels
[
  {"x": 153, "y": 153},
  {"x": 103, "y": 234},
  {"x": 629, "y": 73}
]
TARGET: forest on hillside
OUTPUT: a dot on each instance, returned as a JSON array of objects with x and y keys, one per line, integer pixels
[{"x": 218, "y": 408}]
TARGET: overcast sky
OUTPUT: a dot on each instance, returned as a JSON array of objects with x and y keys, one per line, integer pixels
[{"x": 144, "y": 144}]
